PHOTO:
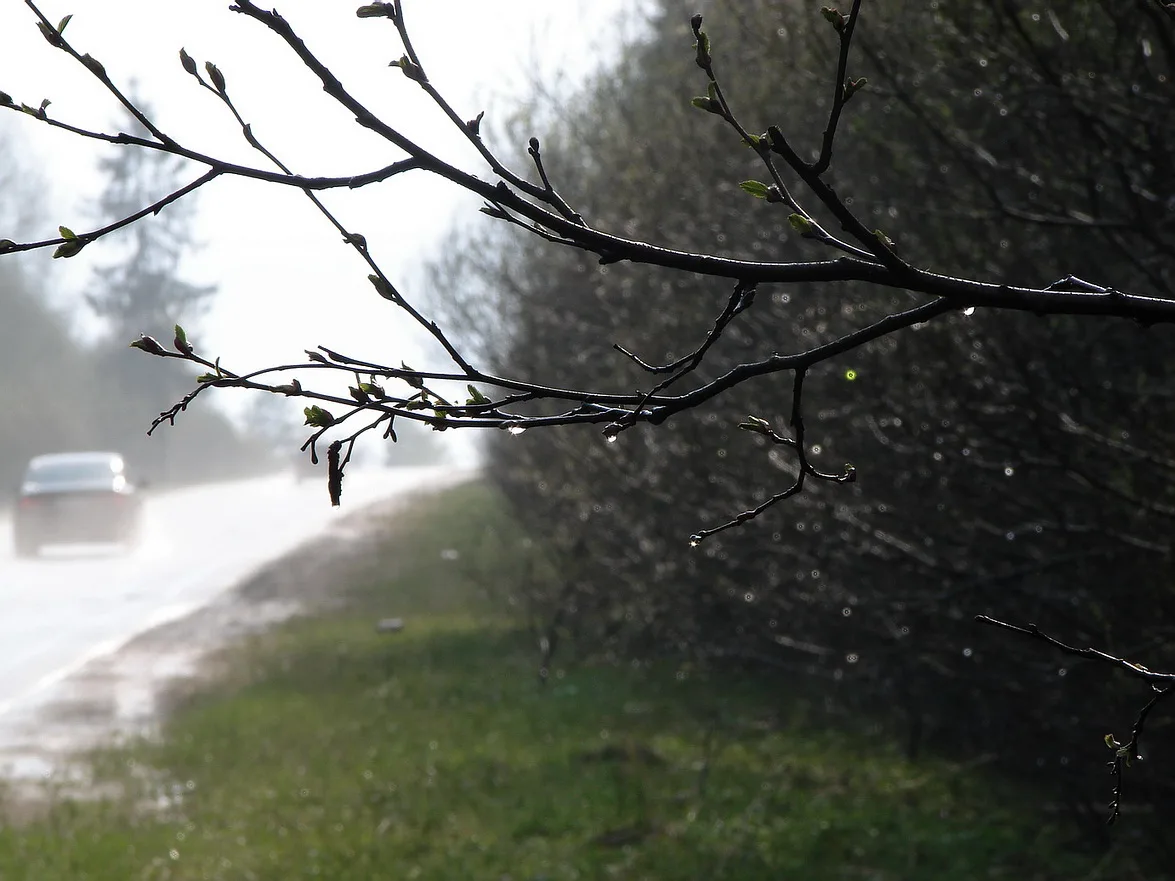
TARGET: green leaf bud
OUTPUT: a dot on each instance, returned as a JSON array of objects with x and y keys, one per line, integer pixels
[
  {"x": 834, "y": 17},
  {"x": 318, "y": 417},
  {"x": 69, "y": 248},
  {"x": 702, "y": 50},
  {"x": 755, "y": 424},
  {"x": 383, "y": 287}
]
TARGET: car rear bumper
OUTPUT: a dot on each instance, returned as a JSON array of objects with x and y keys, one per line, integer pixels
[{"x": 89, "y": 517}]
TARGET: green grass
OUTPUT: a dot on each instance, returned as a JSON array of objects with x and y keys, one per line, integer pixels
[{"x": 324, "y": 749}]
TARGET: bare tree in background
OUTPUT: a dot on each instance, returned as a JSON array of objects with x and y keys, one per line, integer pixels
[{"x": 796, "y": 177}]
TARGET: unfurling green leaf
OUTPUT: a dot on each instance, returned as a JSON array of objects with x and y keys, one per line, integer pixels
[
  {"x": 475, "y": 395},
  {"x": 316, "y": 356},
  {"x": 756, "y": 188},
  {"x": 66, "y": 232},
  {"x": 207, "y": 377},
  {"x": 40, "y": 111},
  {"x": 413, "y": 379},
  {"x": 215, "y": 76},
  {"x": 61, "y": 25},
  {"x": 181, "y": 341},
  {"x": 359, "y": 395},
  {"x": 374, "y": 389},
  {"x": 318, "y": 417},
  {"x": 188, "y": 62},
  {"x": 290, "y": 389},
  {"x": 148, "y": 344},
  {"x": 884, "y": 239},
  {"x": 852, "y": 86},
  {"x": 800, "y": 224},
  {"x": 69, "y": 248}
]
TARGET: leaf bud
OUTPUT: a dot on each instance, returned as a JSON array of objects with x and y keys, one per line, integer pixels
[
  {"x": 383, "y": 287},
  {"x": 94, "y": 66},
  {"x": 376, "y": 10},
  {"x": 148, "y": 344},
  {"x": 215, "y": 76},
  {"x": 53, "y": 37},
  {"x": 756, "y": 424},
  {"x": 852, "y": 86},
  {"x": 188, "y": 62},
  {"x": 834, "y": 17}
]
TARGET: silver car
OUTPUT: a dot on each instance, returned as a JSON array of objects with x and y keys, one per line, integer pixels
[{"x": 75, "y": 497}]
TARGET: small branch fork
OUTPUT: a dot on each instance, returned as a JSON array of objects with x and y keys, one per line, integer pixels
[
  {"x": 1162, "y": 684},
  {"x": 862, "y": 255}
]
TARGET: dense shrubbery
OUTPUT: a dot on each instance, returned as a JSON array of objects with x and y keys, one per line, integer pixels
[{"x": 1008, "y": 465}]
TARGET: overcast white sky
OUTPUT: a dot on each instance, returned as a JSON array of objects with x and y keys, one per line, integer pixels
[{"x": 286, "y": 282}]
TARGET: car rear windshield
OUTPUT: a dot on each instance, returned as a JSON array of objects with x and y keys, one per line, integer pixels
[{"x": 72, "y": 470}]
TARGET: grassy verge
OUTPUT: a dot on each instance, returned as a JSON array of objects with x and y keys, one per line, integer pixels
[{"x": 325, "y": 749}]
